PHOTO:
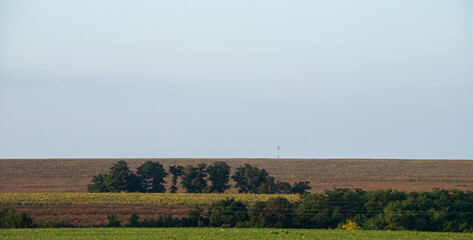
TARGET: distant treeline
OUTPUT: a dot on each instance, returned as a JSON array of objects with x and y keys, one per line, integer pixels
[
  {"x": 201, "y": 178},
  {"x": 439, "y": 210}
]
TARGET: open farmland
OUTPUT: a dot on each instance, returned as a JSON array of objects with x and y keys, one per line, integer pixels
[
  {"x": 217, "y": 233},
  {"x": 72, "y": 175},
  {"x": 153, "y": 199},
  {"x": 92, "y": 209}
]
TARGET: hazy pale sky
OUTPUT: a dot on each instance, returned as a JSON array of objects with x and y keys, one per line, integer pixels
[{"x": 361, "y": 79}]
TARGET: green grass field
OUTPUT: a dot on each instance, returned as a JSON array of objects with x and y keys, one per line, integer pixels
[{"x": 217, "y": 233}]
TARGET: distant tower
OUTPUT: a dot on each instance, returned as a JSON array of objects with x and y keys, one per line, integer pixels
[{"x": 279, "y": 148}]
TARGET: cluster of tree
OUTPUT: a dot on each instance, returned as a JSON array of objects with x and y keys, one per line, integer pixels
[
  {"x": 149, "y": 177},
  {"x": 251, "y": 179},
  {"x": 440, "y": 210},
  {"x": 201, "y": 178},
  {"x": 9, "y": 218}
]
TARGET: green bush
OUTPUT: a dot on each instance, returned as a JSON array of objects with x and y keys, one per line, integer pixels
[
  {"x": 10, "y": 219},
  {"x": 113, "y": 221},
  {"x": 227, "y": 213}
]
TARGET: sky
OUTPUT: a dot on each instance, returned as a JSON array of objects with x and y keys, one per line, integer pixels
[{"x": 234, "y": 79}]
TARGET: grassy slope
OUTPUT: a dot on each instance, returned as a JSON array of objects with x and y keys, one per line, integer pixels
[{"x": 216, "y": 233}]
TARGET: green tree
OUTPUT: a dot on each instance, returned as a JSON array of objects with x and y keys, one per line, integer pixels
[
  {"x": 134, "y": 220},
  {"x": 98, "y": 184},
  {"x": 119, "y": 179},
  {"x": 135, "y": 183},
  {"x": 152, "y": 175},
  {"x": 194, "y": 219},
  {"x": 227, "y": 213},
  {"x": 219, "y": 175},
  {"x": 300, "y": 187},
  {"x": 176, "y": 172},
  {"x": 283, "y": 187},
  {"x": 268, "y": 186},
  {"x": 10, "y": 219},
  {"x": 193, "y": 178},
  {"x": 250, "y": 179},
  {"x": 113, "y": 221},
  {"x": 274, "y": 213}
]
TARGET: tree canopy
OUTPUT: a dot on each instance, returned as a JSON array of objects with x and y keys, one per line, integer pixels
[
  {"x": 152, "y": 175},
  {"x": 219, "y": 175},
  {"x": 120, "y": 178}
]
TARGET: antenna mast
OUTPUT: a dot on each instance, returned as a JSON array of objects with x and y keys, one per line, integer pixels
[{"x": 279, "y": 148}]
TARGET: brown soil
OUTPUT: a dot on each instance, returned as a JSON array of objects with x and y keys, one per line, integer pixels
[
  {"x": 96, "y": 215},
  {"x": 319, "y": 186},
  {"x": 49, "y": 185},
  {"x": 25, "y": 185},
  {"x": 73, "y": 175},
  {"x": 295, "y": 169}
]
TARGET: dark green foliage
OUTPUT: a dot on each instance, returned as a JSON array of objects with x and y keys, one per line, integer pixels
[
  {"x": 152, "y": 175},
  {"x": 193, "y": 178},
  {"x": 268, "y": 186},
  {"x": 376, "y": 201},
  {"x": 250, "y": 179},
  {"x": 227, "y": 213},
  {"x": 300, "y": 187},
  {"x": 119, "y": 179},
  {"x": 99, "y": 184},
  {"x": 135, "y": 183},
  {"x": 150, "y": 178},
  {"x": 176, "y": 172},
  {"x": 219, "y": 175},
  {"x": 113, "y": 221},
  {"x": 274, "y": 213},
  {"x": 134, "y": 220},
  {"x": 439, "y": 210},
  {"x": 313, "y": 211},
  {"x": 283, "y": 187},
  {"x": 46, "y": 223},
  {"x": 10, "y": 219},
  {"x": 331, "y": 208},
  {"x": 194, "y": 219},
  {"x": 161, "y": 221}
]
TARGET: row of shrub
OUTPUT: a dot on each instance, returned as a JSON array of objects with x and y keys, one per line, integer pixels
[
  {"x": 439, "y": 210},
  {"x": 200, "y": 178},
  {"x": 9, "y": 218}
]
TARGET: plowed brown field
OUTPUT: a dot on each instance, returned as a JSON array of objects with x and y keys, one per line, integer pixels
[
  {"x": 72, "y": 175},
  {"x": 96, "y": 215}
]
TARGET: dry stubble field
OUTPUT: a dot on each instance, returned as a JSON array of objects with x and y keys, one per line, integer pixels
[{"x": 72, "y": 175}]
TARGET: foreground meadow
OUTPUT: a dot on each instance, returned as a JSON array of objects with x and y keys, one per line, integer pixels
[{"x": 217, "y": 233}]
